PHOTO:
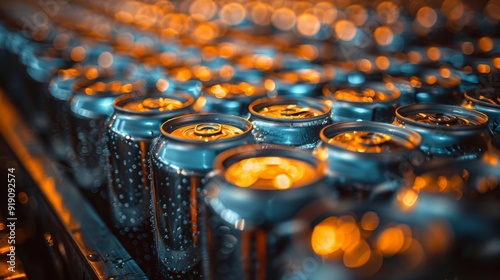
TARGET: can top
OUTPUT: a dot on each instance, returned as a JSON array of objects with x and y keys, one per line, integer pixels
[
  {"x": 366, "y": 93},
  {"x": 284, "y": 108},
  {"x": 439, "y": 115},
  {"x": 442, "y": 77},
  {"x": 485, "y": 96},
  {"x": 298, "y": 76},
  {"x": 270, "y": 172},
  {"x": 370, "y": 137},
  {"x": 153, "y": 103},
  {"x": 204, "y": 128},
  {"x": 235, "y": 90}
]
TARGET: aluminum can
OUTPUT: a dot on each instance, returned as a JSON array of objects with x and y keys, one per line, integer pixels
[
  {"x": 338, "y": 239},
  {"x": 302, "y": 82},
  {"x": 180, "y": 159},
  {"x": 251, "y": 197},
  {"x": 131, "y": 130},
  {"x": 485, "y": 100},
  {"x": 446, "y": 130},
  {"x": 369, "y": 102},
  {"x": 60, "y": 91},
  {"x": 90, "y": 107},
  {"x": 41, "y": 62},
  {"x": 289, "y": 120},
  {"x": 381, "y": 152},
  {"x": 232, "y": 97}
]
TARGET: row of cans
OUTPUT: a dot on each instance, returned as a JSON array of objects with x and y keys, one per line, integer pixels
[{"x": 191, "y": 198}]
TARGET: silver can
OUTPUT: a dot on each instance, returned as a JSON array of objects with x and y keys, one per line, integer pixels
[
  {"x": 369, "y": 102},
  {"x": 252, "y": 197},
  {"x": 131, "y": 130},
  {"x": 446, "y": 130},
  {"x": 289, "y": 121},
  {"x": 302, "y": 82},
  {"x": 180, "y": 159},
  {"x": 90, "y": 107}
]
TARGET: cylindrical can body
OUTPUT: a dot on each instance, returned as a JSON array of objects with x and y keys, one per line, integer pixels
[
  {"x": 180, "y": 159},
  {"x": 230, "y": 97},
  {"x": 485, "y": 100},
  {"x": 131, "y": 130},
  {"x": 252, "y": 197},
  {"x": 446, "y": 130},
  {"x": 91, "y": 105},
  {"x": 369, "y": 102},
  {"x": 381, "y": 152},
  {"x": 289, "y": 121},
  {"x": 57, "y": 103}
]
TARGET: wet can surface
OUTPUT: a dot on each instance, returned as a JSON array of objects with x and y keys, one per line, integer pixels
[
  {"x": 289, "y": 121},
  {"x": 131, "y": 131},
  {"x": 446, "y": 130},
  {"x": 252, "y": 195},
  {"x": 486, "y": 100},
  {"x": 90, "y": 106},
  {"x": 180, "y": 159},
  {"x": 58, "y": 99},
  {"x": 381, "y": 152},
  {"x": 369, "y": 102},
  {"x": 230, "y": 97}
]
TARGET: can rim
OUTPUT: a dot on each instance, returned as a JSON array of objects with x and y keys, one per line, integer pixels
[
  {"x": 468, "y": 96},
  {"x": 481, "y": 118},
  {"x": 231, "y": 156},
  {"x": 186, "y": 99},
  {"x": 412, "y": 137},
  {"x": 315, "y": 103},
  {"x": 188, "y": 119}
]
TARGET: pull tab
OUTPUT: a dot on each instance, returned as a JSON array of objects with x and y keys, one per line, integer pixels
[{"x": 207, "y": 129}]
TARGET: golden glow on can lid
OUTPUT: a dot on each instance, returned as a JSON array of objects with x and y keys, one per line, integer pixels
[
  {"x": 206, "y": 132},
  {"x": 270, "y": 173},
  {"x": 370, "y": 142},
  {"x": 289, "y": 111}
]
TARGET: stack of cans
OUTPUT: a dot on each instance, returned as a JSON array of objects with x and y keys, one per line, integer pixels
[{"x": 273, "y": 140}]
